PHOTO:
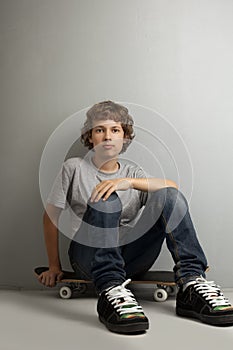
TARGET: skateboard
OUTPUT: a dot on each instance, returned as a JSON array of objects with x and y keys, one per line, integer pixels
[{"x": 163, "y": 280}]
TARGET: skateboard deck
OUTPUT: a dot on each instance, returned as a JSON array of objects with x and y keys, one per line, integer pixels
[{"x": 164, "y": 282}]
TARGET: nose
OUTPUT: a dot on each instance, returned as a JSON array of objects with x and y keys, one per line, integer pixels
[{"x": 107, "y": 135}]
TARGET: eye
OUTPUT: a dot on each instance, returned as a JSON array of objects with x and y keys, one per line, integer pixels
[
  {"x": 116, "y": 130},
  {"x": 98, "y": 130}
]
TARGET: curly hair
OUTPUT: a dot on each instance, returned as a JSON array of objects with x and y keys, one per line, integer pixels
[{"x": 108, "y": 110}]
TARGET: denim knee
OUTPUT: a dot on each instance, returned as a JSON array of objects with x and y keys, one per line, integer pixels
[
  {"x": 173, "y": 197},
  {"x": 104, "y": 214},
  {"x": 100, "y": 223},
  {"x": 111, "y": 205}
]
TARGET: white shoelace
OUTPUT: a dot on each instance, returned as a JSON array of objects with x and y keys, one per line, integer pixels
[
  {"x": 123, "y": 299},
  {"x": 211, "y": 292}
]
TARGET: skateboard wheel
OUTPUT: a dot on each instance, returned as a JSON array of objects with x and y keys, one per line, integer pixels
[
  {"x": 65, "y": 292},
  {"x": 160, "y": 295}
]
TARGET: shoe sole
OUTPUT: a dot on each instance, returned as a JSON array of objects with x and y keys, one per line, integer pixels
[
  {"x": 212, "y": 320},
  {"x": 126, "y": 328}
]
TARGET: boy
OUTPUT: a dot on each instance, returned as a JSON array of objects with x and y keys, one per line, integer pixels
[{"x": 115, "y": 240}]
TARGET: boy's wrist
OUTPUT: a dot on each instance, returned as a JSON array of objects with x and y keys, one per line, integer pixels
[
  {"x": 54, "y": 266},
  {"x": 131, "y": 182}
]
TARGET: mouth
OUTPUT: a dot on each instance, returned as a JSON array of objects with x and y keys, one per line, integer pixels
[{"x": 108, "y": 146}]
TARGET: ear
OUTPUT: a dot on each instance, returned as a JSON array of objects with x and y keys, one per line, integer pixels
[
  {"x": 90, "y": 136},
  {"x": 125, "y": 139}
]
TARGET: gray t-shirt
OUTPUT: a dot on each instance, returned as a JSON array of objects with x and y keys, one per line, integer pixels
[{"x": 78, "y": 177}]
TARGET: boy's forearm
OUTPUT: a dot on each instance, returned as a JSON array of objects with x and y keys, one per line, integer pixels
[
  {"x": 151, "y": 184},
  {"x": 51, "y": 236}
]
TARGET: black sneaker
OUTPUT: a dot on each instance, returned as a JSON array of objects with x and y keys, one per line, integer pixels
[
  {"x": 120, "y": 312},
  {"x": 204, "y": 300}
]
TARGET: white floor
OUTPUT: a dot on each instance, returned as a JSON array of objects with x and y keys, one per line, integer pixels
[{"x": 40, "y": 320}]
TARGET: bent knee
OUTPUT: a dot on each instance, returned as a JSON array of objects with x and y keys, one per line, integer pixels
[
  {"x": 171, "y": 196},
  {"x": 175, "y": 197},
  {"x": 111, "y": 205}
]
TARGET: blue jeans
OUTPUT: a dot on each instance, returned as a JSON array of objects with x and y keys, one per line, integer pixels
[{"x": 168, "y": 214}]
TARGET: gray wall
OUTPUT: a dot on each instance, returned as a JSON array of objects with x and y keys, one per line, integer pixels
[{"x": 58, "y": 57}]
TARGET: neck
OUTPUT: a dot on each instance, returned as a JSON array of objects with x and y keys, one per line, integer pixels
[{"x": 107, "y": 166}]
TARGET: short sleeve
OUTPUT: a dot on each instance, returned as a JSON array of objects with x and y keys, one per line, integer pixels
[
  {"x": 140, "y": 173},
  {"x": 61, "y": 190}
]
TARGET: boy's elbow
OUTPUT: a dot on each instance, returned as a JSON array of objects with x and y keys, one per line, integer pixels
[
  {"x": 46, "y": 218},
  {"x": 51, "y": 214}
]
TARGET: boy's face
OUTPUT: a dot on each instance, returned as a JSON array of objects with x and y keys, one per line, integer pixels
[{"x": 107, "y": 137}]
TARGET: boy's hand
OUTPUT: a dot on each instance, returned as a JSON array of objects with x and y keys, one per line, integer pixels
[
  {"x": 105, "y": 188},
  {"x": 51, "y": 277}
]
